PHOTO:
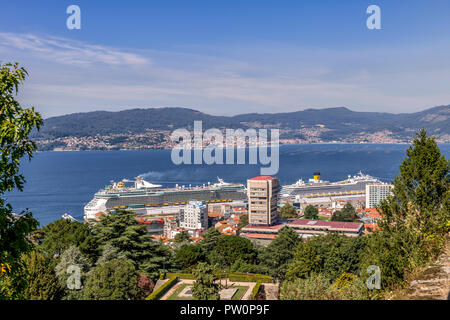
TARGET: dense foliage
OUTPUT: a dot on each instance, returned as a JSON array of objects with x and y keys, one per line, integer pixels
[
  {"x": 288, "y": 211},
  {"x": 113, "y": 280},
  {"x": 311, "y": 213},
  {"x": 416, "y": 218},
  {"x": 205, "y": 286},
  {"x": 16, "y": 124},
  {"x": 346, "y": 214},
  {"x": 275, "y": 258}
]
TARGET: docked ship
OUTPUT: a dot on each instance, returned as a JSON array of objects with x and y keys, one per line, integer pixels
[
  {"x": 315, "y": 187},
  {"x": 146, "y": 198}
]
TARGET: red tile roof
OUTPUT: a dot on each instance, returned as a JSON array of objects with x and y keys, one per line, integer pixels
[
  {"x": 331, "y": 224},
  {"x": 259, "y": 236},
  {"x": 274, "y": 227},
  {"x": 263, "y": 178},
  {"x": 372, "y": 213},
  {"x": 215, "y": 215}
]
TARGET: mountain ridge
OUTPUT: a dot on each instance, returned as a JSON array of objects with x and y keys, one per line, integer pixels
[{"x": 332, "y": 124}]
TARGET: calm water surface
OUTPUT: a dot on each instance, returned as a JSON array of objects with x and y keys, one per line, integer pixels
[{"x": 60, "y": 182}]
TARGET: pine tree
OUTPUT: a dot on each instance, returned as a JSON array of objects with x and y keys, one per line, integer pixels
[
  {"x": 210, "y": 239},
  {"x": 109, "y": 253},
  {"x": 415, "y": 218},
  {"x": 205, "y": 286},
  {"x": 276, "y": 257},
  {"x": 347, "y": 214},
  {"x": 71, "y": 265},
  {"x": 39, "y": 275},
  {"x": 288, "y": 211},
  {"x": 311, "y": 213},
  {"x": 421, "y": 193},
  {"x": 113, "y": 280},
  {"x": 122, "y": 231}
]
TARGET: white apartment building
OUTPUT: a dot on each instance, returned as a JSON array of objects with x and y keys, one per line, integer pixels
[
  {"x": 194, "y": 217},
  {"x": 377, "y": 192}
]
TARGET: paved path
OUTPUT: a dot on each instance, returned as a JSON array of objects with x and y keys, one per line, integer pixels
[
  {"x": 271, "y": 290},
  {"x": 175, "y": 287},
  {"x": 246, "y": 295}
]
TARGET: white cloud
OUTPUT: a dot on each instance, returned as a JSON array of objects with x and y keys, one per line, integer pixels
[
  {"x": 66, "y": 51},
  {"x": 254, "y": 80}
]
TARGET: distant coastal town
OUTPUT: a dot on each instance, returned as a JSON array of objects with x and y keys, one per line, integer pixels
[{"x": 160, "y": 140}]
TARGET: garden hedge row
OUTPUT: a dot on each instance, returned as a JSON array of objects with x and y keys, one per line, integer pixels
[
  {"x": 233, "y": 276},
  {"x": 256, "y": 289},
  {"x": 157, "y": 294}
]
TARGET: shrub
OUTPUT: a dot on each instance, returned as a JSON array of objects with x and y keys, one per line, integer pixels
[
  {"x": 158, "y": 293},
  {"x": 256, "y": 290}
]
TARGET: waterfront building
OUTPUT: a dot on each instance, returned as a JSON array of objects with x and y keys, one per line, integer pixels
[
  {"x": 375, "y": 193},
  {"x": 262, "y": 193},
  {"x": 194, "y": 217}
]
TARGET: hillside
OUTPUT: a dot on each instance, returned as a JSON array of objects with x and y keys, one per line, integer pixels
[{"x": 311, "y": 125}]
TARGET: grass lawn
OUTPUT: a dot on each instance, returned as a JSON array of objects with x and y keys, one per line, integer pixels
[
  {"x": 237, "y": 295},
  {"x": 174, "y": 296}
]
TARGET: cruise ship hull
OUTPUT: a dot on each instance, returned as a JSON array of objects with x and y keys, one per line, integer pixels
[
  {"x": 328, "y": 189},
  {"x": 159, "y": 201}
]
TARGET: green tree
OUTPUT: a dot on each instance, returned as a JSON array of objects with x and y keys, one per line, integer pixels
[
  {"x": 210, "y": 239},
  {"x": 346, "y": 214},
  {"x": 244, "y": 266},
  {"x": 319, "y": 287},
  {"x": 311, "y": 213},
  {"x": 189, "y": 255},
  {"x": 276, "y": 257},
  {"x": 16, "y": 124},
  {"x": 415, "y": 218},
  {"x": 60, "y": 234},
  {"x": 306, "y": 261},
  {"x": 288, "y": 211},
  {"x": 421, "y": 192},
  {"x": 72, "y": 263},
  {"x": 113, "y": 280},
  {"x": 123, "y": 232},
  {"x": 183, "y": 236},
  {"x": 231, "y": 248},
  {"x": 205, "y": 286},
  {"x": 109, "y": 253},
  {"x": 37, "y": 270},
  {"x": 243, "y": 222},
  {"x": 331, "y": 254}
]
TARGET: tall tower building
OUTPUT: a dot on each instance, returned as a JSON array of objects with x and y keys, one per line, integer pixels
[
  {"x": 194, "y": 217},
  {"x": 262, "y": 195},
  {"x": 377, "y": 192}
]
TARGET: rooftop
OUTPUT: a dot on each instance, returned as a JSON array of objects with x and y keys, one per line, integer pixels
[
  {"x": 322, "y": 223},
  {"x": 263, "y": 178},
  {"x": 259, "y": 236}
]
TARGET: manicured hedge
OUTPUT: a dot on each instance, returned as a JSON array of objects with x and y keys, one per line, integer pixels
[
  {"x": 233, "y": 276},
  {"x": 188, "y": 276},
  {"x": 244, "y": 277},
  {"x": 255, "y": 290},
  {"x": 157, "y": 294}
]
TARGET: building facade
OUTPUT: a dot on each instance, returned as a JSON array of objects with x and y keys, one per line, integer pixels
[
  {"x": 375, "y": 193},
  {"x": 194, "y": 217},
  {"x": 262, "y": 193}
]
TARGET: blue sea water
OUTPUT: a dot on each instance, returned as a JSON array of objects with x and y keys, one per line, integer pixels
[{"x": 63, "y": 182}]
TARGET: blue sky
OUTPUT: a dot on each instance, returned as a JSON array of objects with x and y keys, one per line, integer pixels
[{"x": 230, "y": 57}]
